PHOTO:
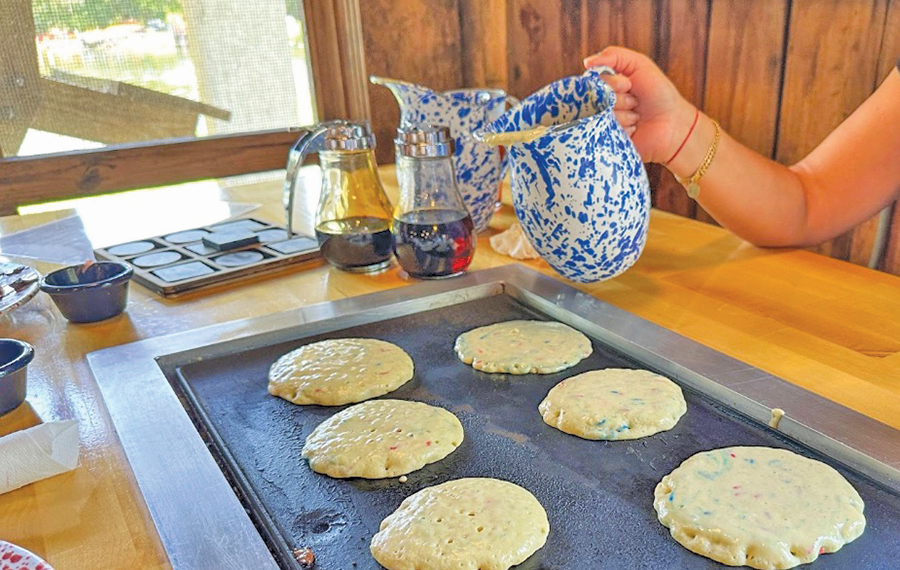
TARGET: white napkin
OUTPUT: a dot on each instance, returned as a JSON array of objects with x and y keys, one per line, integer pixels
[
  {"x": 513, "y": 243},
  {"x": 37, "y": 453}
]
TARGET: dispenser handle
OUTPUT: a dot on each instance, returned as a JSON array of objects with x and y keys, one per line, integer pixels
[{"x": 312, "y": 140}]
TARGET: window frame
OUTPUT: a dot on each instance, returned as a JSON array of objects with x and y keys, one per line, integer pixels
[{"x": 334, "y": 32}]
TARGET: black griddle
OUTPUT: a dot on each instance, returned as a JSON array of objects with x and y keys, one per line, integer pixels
[{"x": 598, "y": 495}]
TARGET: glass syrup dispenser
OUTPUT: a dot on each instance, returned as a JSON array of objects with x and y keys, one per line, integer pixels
[
  {"x": 432, "y": 229},
  {"x": 353, "y": 218}
]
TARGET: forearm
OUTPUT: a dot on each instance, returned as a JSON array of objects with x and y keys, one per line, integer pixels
[
  {"x": 848, "y": 178},
  {"x": 758, "y": 199},
  {"x": 851, "y": 175}
]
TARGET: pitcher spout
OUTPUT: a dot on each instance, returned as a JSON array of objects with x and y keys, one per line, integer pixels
[
  {"x": 394, "y": 84},
  {"x": 407, "y": 94}
]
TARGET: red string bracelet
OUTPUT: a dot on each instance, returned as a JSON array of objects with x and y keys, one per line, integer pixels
[{"x": 684, "y": 142}]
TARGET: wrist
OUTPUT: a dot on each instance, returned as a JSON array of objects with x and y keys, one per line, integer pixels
[
  {"x": 682, "y": 128},
  {"x": 686, "y": 137},
  {"x": 695, "y": 148}
]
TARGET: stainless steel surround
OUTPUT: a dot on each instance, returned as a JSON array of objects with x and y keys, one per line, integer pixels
[{"x": 203, "y": 525}]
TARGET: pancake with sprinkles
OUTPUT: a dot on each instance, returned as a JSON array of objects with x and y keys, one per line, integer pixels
[
  {"x": 758, "y": 506},
  {"x": 463, "y": 524},
  {"x": 523, "y": 347},
  {"x": 615, "y": 403},
  {"x": 382, "y": 438},
  {"x": 340, "y": 371}
]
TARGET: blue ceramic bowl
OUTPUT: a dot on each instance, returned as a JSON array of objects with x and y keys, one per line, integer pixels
[
  {"x": 14, "y": 358},
  {"x": 87, "y": 295}
]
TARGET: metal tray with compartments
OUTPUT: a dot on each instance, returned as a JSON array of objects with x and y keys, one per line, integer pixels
[{"x": 179, "y": 262}]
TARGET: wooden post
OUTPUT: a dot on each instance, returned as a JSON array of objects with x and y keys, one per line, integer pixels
[{"x": 20, "y": 90}]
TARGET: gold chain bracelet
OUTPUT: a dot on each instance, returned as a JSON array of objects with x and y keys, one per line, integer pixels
[{"x": 691, "y": 183}]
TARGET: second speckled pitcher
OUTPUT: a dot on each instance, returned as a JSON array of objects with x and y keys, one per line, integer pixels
[{"x": 479, "y": 167}]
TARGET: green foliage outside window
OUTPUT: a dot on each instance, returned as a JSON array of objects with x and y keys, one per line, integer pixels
[{"x": 90, "y": 14}]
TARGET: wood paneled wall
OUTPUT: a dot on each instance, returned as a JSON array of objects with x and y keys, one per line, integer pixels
[{"x": 778, "y": 74}]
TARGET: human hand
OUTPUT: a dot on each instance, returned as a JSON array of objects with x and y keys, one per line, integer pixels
[{"x": 648, "y": 105}]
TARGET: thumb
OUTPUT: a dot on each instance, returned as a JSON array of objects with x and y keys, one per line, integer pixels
[{"x": 623, "y": 60}]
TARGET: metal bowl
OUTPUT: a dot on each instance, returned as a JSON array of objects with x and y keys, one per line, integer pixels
[
  {"x": 14, "y": 358},
  {"x": 87, "y": 294}
]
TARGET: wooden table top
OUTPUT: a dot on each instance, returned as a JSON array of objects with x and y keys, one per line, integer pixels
[{"x": 826, "y": 325}]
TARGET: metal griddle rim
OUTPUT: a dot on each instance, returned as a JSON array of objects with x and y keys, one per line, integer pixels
[
  {"x": 137, "y": 376},
  {"x": 267, "y": 527}
]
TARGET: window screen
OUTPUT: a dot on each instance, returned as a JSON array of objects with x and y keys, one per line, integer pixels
[{"x": 77, "y": 74}]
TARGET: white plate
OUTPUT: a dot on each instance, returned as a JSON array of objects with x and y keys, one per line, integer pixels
[
  {"x": 14, "y": 557},
  {"x": 18, "y": 284}
]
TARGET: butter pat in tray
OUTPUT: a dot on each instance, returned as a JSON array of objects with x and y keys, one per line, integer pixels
[{"x": 37, "y": 453}]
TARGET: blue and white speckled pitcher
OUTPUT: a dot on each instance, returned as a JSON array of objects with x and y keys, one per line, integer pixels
[
  {"x": 579, "y": 187},
  {"x": 479, "y": 167}
]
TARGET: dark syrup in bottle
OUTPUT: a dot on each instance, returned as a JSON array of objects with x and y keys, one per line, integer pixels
[
  {"x": 434, "y": 243},
  {"x": 356, "y": 244}
]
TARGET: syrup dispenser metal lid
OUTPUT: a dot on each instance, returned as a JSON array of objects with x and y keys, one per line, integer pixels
[
  {"x": 349, "y": 135},
  {"x": 428, "y": 141}
]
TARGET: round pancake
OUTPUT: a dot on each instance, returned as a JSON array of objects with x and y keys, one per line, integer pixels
[
  {"x": 759, "y": 507},
  {"x": 382, "y": 438},
  {"x": 615, "y": 403},
  {"x": 464, "y": 524},
  {"x": 523, "y": 347},
  {"x": 339, "y": 371}
]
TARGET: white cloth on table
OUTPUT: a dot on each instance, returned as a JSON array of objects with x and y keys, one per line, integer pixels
[
  {"x": 513, "y": 243},
  {"x": 37, "y": 453}
]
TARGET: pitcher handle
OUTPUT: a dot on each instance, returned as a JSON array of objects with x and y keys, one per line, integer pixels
[
  {"x": 595, "y": 74},
  {"x": 312, "y": 140},
  {"x": 504, "y": 158},
  {"x": 601, "y": 69}
]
